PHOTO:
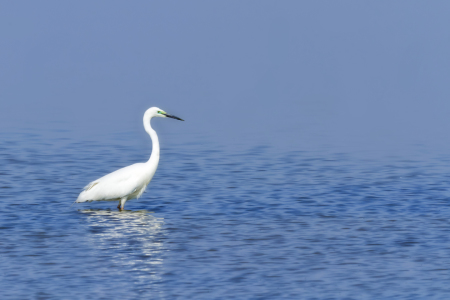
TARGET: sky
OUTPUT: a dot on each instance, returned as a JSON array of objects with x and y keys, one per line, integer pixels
[{"x": 288, "y": 74}]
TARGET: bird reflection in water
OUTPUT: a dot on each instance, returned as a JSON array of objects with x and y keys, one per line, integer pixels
[{"x": 128, "y": 241}]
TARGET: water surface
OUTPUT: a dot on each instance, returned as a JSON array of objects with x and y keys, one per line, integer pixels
[{"x": 215, "y": 223}]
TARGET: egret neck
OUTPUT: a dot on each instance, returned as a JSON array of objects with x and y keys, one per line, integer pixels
[{"x": 154, "y": 157}]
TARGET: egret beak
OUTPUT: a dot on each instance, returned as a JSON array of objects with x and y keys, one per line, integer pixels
[{"x": 173, "y": 117}]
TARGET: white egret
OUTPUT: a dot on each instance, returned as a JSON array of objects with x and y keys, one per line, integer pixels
[{"x": 129, "y": 182}]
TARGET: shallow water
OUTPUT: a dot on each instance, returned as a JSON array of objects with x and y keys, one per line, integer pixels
[{"x": 223, "y": 224}]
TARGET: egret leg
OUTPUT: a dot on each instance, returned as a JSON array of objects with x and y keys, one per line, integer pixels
[{"x": 122, "y": 203}]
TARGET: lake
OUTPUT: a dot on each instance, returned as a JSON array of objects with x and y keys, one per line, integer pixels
[{"x": 221, "y": 223}]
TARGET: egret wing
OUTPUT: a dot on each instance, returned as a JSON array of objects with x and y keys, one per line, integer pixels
[{"x": 115, "y": 185}]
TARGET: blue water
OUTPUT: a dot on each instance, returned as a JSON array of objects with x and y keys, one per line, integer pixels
[{"x": 223, "y": 223}]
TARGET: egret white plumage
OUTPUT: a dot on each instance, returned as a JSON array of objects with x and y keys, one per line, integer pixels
[{"x": 129, "y": 182}]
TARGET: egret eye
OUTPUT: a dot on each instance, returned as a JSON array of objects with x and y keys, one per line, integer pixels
[{"x": 159, "y": 112}]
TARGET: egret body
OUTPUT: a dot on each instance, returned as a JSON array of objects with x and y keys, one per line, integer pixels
[{"x": 129, "y": 182}]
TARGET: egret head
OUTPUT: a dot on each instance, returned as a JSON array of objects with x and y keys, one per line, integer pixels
[{"x": 157, "y": 112}]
